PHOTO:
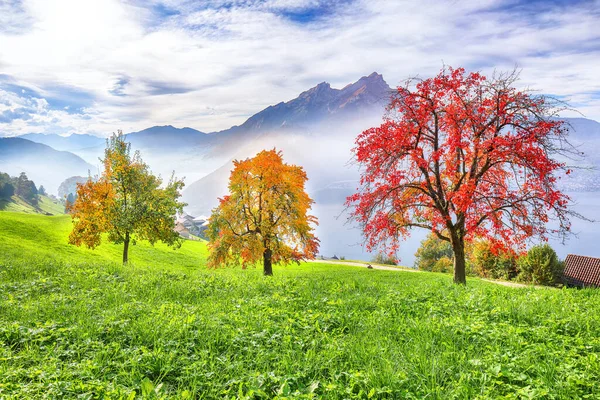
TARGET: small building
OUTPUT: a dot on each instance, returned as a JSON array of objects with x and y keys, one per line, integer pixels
[{"x": 582, "y": 271}]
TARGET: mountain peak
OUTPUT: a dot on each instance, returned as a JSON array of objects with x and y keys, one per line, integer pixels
[
  {"x": 166, "y": 129},
  {"x": 163, "y": 137},
  {"x": 156, "y": 128},
  {"x": 367, "y": 95},
  {"x": 319, "y": 90},
  {"x": 375, "y": 78}
]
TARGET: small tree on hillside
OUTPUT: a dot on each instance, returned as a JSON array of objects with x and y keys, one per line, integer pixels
[
  {"x": 127, "y": 202},
  {"x": 462, "y": 156},
  {"x": 265, "y": 216}
]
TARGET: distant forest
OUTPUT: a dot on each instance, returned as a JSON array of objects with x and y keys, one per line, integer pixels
[{"x": 21, "y": 187}]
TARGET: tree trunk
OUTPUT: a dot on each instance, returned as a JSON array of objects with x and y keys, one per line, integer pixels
[
  {"x": 126, "y": 248},
  {"x": 267, "y": 264},
  {"x": 458, "y": 247}
]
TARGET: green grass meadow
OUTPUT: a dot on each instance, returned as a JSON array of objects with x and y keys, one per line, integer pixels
[
  {"x": 45, "y": 205},
  {"x": 45, "y": 238},
  {"x": 74, "y": 323}
]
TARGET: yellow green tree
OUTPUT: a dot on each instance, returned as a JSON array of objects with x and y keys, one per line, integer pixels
[
  {"x": 434, "y": 254},
  {"x": 126, "y": 202},
  {"x": 264, "y": 217}
]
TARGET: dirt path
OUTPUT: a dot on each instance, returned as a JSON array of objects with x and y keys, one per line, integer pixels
[
  {"x": 515, "y": 284},
  {"x": 364, "y": 265},
  {"x": 404, "y": 269}
]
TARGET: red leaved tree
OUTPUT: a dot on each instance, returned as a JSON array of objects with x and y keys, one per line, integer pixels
[{"x": 464, "y": 157}]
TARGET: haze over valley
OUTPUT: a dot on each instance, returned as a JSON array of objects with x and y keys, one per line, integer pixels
[{"x": 315, "y": 130}]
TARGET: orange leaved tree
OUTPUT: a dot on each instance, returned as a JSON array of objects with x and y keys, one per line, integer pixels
[
  {"x": 265, "y": 216},
  {"x": 127, "y": 202},
  {"x": 464, "y": 157}
]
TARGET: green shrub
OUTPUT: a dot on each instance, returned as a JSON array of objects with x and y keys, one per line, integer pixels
[
  {"x": 541, "y": 266},
  {"x": 430, "y": 254},
  {"x": 488, "y": 263},
  {"x": 444, "y": 264}
]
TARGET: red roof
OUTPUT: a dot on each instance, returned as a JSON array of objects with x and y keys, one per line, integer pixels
[{"x": 582, "y": 271}]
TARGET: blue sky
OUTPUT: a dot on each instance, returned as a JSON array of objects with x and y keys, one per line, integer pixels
[{"x": 83, "y": 66}]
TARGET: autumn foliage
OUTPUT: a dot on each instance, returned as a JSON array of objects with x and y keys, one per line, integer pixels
[
  {"x": 126, "y": 202},
  {"x": 464, "y": 157},
  {"x": 265, "y": 216}
]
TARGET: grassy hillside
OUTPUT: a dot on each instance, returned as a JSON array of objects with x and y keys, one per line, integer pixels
[
  {"x": 74, "y": 323},
  {"x": 46, "y": 238},
  {"x": 45, "y": 206}
]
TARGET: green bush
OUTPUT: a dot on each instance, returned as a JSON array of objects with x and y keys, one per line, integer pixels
[
  {"x": 444, "y": 264},
  {"x": 433, "y": 255},
  {"x": 488, "y": 263},
  {"x": 541, "y": 266}
]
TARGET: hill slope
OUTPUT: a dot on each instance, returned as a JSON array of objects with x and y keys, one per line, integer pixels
[{"x": 45, "y": 206}]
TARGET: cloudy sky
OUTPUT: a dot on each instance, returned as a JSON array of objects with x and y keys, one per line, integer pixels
[{"x": 95, "y": 66}]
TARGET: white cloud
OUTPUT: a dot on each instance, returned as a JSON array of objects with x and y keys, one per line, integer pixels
[{"x": 212, "y": 67}]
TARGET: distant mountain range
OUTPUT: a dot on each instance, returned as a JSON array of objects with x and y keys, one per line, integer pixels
[
  {"x": 43, "y": 164},
  {"x": 65, "y": 143},
  {"x": 167, "y": 137},
  {"x": 315, "y": 129},
  {"x": 154, "y": 137},
  {"x": 194, "y": 154},
  {"x": 320, "y": 105}
]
